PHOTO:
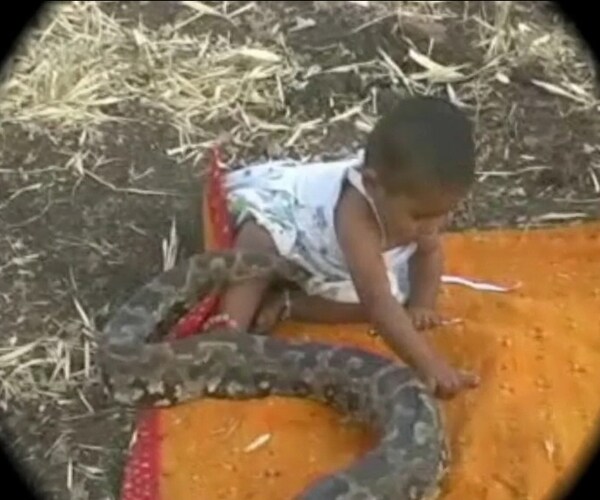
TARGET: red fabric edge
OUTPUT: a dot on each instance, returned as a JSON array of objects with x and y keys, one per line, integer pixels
[{"x": 142, "y": 471}]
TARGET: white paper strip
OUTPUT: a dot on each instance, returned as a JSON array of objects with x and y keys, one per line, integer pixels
[{"x": 478, "y": 285}]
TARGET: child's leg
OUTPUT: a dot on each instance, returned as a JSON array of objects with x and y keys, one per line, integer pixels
[
  {"x": 314, "y": 309},
  {"x": 308, "y": 309},
  {"x": 241, "y": 301}
]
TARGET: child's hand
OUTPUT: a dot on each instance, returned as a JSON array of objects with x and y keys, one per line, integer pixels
[
  {"x": 424, "y": 318},
  {"x": 270, "y": 313},
  {"x": 445, "y": 382}
]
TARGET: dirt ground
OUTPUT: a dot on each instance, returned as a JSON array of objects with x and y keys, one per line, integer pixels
[{"x": 86, "y": 203}]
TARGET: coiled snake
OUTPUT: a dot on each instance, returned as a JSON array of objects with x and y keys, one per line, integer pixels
[{"x": 411, "y": 456}]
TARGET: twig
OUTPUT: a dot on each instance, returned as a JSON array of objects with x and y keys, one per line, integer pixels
[
  {"x": 33, "y": 218},
  {"x": 581, "y": 200},
  {"x": 112, "y": 187}
]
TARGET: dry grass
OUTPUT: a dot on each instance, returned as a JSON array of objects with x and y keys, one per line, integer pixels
[
  {"x": 78, "y": 70},
  {"x": 46, "y": 368},
  {"x": 83, "y": 68},
  {"x": 566, "y": 64},
  {"x": 83, "y": 65}
]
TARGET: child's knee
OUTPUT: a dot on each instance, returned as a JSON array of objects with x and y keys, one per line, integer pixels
[{"x": 254, "y": 237}]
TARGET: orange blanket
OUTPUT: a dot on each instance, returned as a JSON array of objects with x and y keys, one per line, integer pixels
[{"x": 537, "y": 350}]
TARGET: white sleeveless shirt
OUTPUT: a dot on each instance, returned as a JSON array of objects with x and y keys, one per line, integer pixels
[{"x": 296, "y": 202}]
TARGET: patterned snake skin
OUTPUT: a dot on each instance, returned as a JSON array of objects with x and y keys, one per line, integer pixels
[{"x": 140, "y": 368}]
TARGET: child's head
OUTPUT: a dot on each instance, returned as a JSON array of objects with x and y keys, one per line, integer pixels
[{"x": 419, "y": 163}]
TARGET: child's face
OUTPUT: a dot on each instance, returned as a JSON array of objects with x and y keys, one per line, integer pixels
[{"x": 407, "y": 217}]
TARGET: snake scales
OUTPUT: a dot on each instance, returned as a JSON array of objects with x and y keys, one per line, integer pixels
[{"x": 138, "y": 369}]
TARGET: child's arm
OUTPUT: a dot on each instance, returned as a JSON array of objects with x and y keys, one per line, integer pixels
[
  {"x": 425, "y": 274},
  {"x": 313, "y": 309},
  {"x": 425, "y": 270},
  {"x": 359, "y": 239},
  {"x": 308, "y": 309}
]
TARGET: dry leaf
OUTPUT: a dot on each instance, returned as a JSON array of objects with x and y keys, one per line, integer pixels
[
  {"x": 550, "y": 448},
  {"x": 346, "y": 68},
  {"x": 396, "y": 69},
  {"x": 14, "y": 354},
  {"x": 257, "y": 443},
  {"x": 594, "y": 180},
  {"x": 302, "y": 24},
  {"x": 560, "y": 216},
  {"x": 435, "y": 72},
  {"x": 241, "y": 10},
  {"x": 300, "y": 129},
  {"x": 202, "y": 8},
  {"x": 82, "y": 314},
  {"x": 349, "y": 113},
  {"x": 557, "y": 90},
  {"x": 578, "y": 89},
  {"x": 258, "y": 54},
  {"x": 502, "y": 78},
  {"x": 453, "y": 97},
  {"x": 365, "y": 123}
]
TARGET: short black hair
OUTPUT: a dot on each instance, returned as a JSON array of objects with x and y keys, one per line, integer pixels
[{"x": 422, "y": 142}]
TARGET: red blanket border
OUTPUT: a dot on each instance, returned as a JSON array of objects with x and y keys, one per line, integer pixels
[{"x": 142, "y": 472}]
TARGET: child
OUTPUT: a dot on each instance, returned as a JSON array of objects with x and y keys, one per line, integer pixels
[{"x": 367, "y": 229}]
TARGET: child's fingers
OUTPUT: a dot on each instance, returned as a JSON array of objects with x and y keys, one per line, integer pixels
[
  {"x": 469, "y": 379},
  {"x": 431, "y": 384},
  {"x": 450, "y": 321},
  {"x": 266, "y": 320},
  {"x": 435, "y": 320},
  {"x": 417, "y": 321}
]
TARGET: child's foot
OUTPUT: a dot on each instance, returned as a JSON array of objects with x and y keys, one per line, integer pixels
[{"x": 270, "y": 313}]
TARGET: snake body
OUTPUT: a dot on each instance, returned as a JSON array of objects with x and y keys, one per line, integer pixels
[{"x": 411, "y": 456}]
